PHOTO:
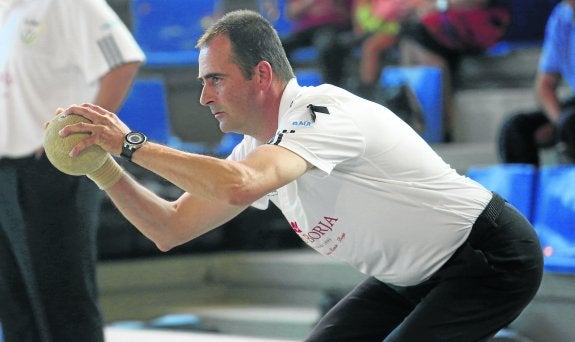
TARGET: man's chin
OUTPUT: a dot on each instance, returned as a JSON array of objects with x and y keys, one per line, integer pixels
[{"x": 224, "y": 129}]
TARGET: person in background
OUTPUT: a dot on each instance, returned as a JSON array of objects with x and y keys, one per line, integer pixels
[
  {"x": 446, "y": 259},
  {"x": 268, "y": 8},
  {"x": 319, "y": 23},
  {"x": 447, "y": 30},
  {"x": 53, "y": 51},
  {"x": 522, "y": 135},
  {"x": 377, "y": 25}
]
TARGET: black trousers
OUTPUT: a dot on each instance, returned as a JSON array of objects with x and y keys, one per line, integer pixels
[
  {"x": 48, "y": 222},
  {"x": 517, "y": 142},
  {"x": 482, "y": 288}
]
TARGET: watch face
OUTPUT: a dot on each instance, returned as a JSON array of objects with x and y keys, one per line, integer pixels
[{"x": 135, "y": 138}]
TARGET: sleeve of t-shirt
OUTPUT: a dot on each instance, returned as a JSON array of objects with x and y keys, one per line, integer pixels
[
  {"x": 101, "y": 40},
  {"x": 239, "y": 153},
  {"x": 550, "y": 60},
  {"x": 325, "y": 137}
]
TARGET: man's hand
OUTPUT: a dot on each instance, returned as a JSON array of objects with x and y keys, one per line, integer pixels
[{"x": 106, "y": 129}]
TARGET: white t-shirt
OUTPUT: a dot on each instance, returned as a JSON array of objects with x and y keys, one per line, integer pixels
[
  {"x": 53, "y": 55},
  {"x": 379, "y": 197}
]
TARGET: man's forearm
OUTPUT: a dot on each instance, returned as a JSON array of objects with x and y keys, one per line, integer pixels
[
  {"x": 203, "y": 176},
  {"x": 546, "y": 89},
  {"x": 115, "y": 85},
  {"x": 168, "y": 224}
]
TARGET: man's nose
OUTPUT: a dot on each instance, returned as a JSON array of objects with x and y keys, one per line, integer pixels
[{"x": 206, "y": 96}]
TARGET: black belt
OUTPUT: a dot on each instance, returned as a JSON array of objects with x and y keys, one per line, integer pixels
[
  {"x": 493, "y": 209},
  {"x": 488, "y": 218},
  {"x": 465, "y": 260}
]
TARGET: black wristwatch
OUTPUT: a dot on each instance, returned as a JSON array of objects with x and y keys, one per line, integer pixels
[{"x": 132, "y": 142}]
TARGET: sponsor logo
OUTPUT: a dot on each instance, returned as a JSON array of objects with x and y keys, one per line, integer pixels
[
  {"x": 295, "y": 227},
  {"x": 322, "y": 228},
  {"x": 31, "y": 29},
  {"x": 319, "y": 236},
  {"x": 302, "y": 123}
]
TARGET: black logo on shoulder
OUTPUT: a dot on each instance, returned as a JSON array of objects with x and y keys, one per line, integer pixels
[{"x": 317, "y": 109}]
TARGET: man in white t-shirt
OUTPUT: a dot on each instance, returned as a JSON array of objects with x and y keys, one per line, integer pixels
[
  {"x": 447, "y": 260},
  {"x": 53, "y": 52}
]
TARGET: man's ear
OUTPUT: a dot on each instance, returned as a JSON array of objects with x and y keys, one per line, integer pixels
[{"x": 264, "y": 74}]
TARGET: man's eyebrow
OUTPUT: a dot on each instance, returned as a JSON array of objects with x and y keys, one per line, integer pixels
[{"x": 210, "y": 75}]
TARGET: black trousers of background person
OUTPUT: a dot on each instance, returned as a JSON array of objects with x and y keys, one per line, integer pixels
[
  {"x": 517, "y": 142},
  {"x": 48, "y": 223},
  {"x": 332, "y": 52},
  {"x": 482, "y": 288}
]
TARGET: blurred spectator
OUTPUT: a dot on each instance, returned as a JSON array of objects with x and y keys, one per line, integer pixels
[
  {"x": 377, "y": 24},
  {"x": 553, "y": 124},
  {"x": 318, "y": 23},
  {"x": 268, "y": 8},
  {"x": 53, "y": 52},
  {"x": 445, "y": 31}
]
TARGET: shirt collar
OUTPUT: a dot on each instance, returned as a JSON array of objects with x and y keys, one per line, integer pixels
[{"x": 291, "y": 90}]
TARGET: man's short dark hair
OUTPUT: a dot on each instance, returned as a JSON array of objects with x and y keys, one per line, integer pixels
[{"x": 253, "y": 39}]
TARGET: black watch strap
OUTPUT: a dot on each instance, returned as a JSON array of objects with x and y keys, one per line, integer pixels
[
  {"x": 127, "y": 152},
  {"x": 132, "y": 142}
]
